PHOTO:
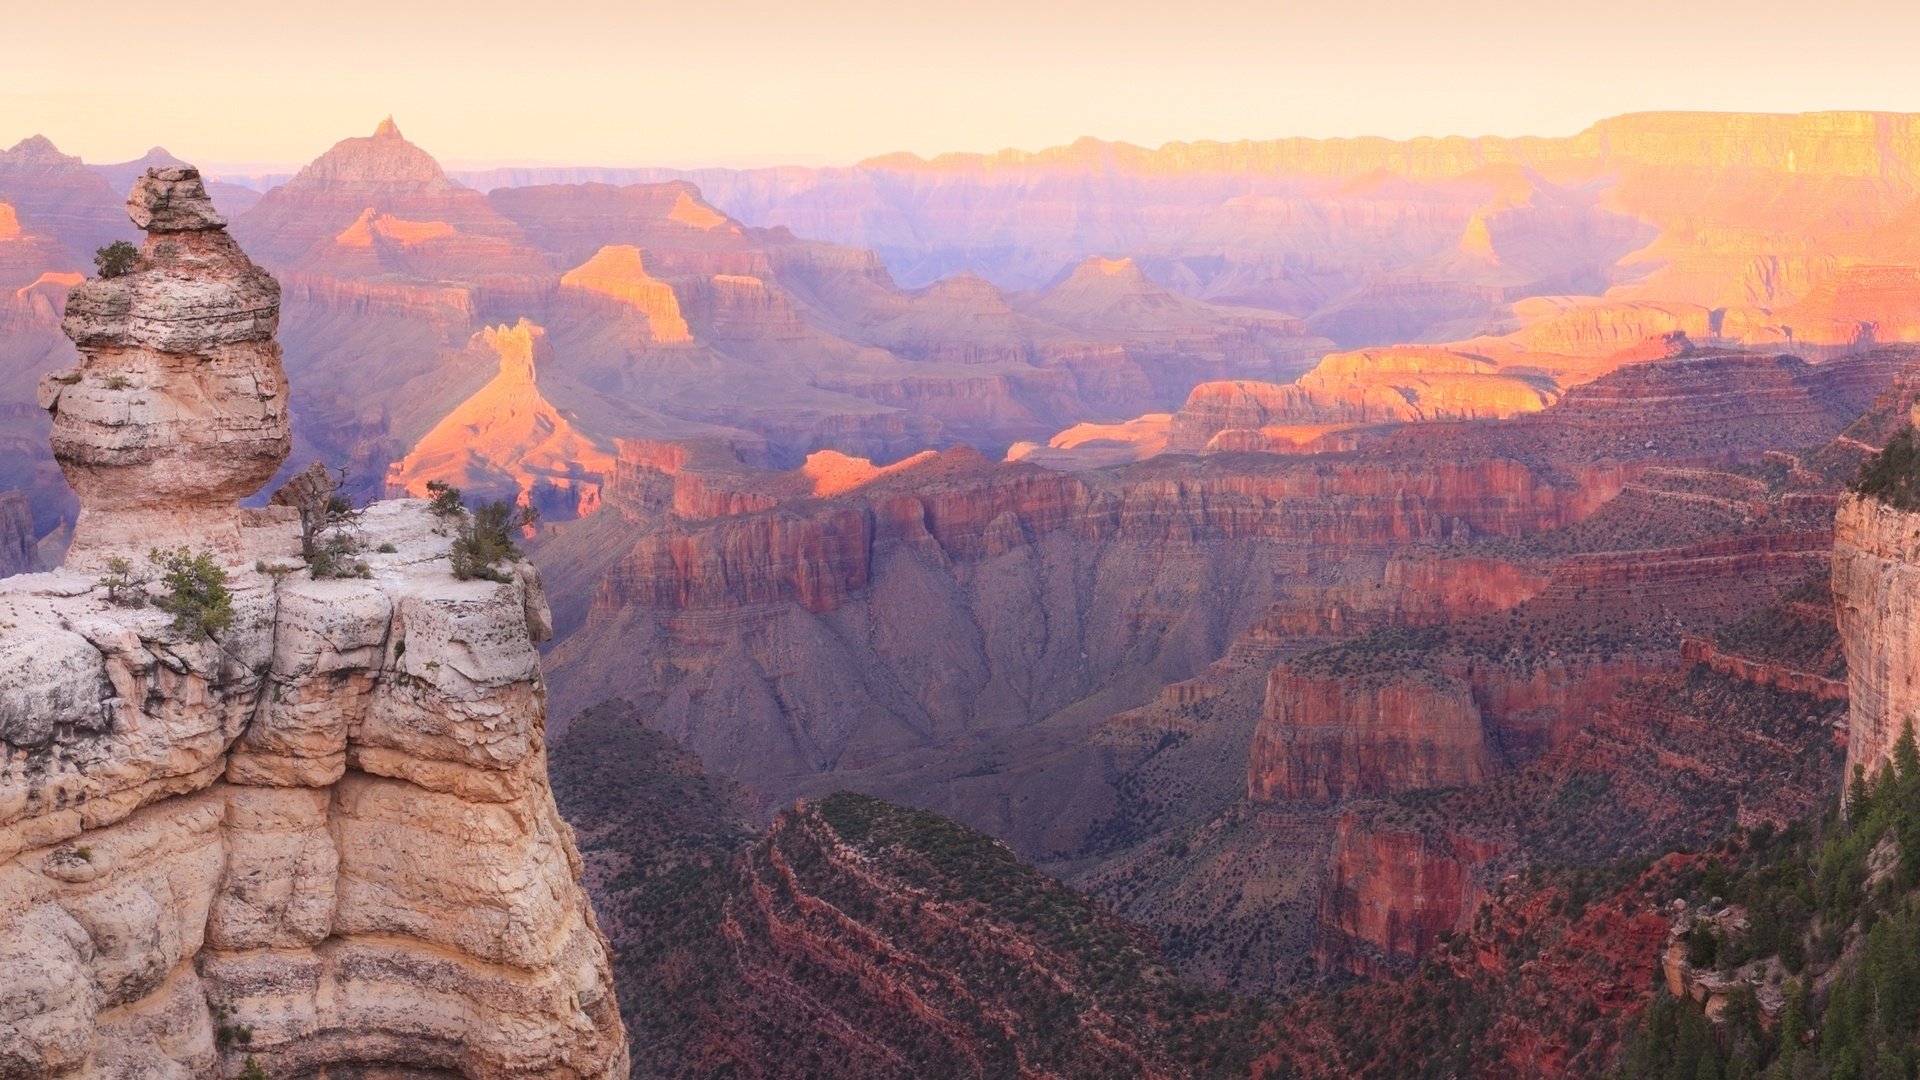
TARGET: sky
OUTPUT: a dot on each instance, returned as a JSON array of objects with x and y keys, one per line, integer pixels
[{"x": 755, "y": 82}]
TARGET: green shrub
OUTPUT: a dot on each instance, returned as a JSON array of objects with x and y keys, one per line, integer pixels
[
  {"x": 444, "y": 499},
  {"x": 125, "y": 587},
  {"x": 116, "y": 259},
  {"x": 1893, "y": 475},
  {"x": 196, "y": 595},
  {"x": 485, "y": 539}
]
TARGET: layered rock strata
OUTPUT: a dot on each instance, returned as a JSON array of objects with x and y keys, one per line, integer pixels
[
  {"x": 321, "y": 836},
  {"x": 179, "y": 405},
  {"x": 1876, "y": 590}
]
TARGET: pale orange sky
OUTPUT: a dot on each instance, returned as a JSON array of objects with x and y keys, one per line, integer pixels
[{"x": 737, "y": 82}]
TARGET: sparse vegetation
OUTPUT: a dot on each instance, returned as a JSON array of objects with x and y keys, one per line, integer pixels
[
  {"x": 196, "y": 591},
  {"x": 126, "y": 587},
  {"x": 484, "y": 539},
  {"x": 1893, "y": 475},
  {"x": 228, "y": 1033},
  {"x": 116, "y": 259},
  {"x": 329, "y": 522},
  {"x": 1838, "y": 907},
  {"x": 444, "y": 499}
]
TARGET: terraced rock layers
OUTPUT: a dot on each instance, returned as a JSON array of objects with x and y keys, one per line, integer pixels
[{"x": 319, "y": 837}]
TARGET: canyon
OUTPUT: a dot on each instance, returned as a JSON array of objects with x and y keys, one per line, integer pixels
[
  {"x": 1200, "y": 687},
  {"x": 1100, "y": 611},
  {"x": 1000, "y": 300},
  {"x": 242, "y": 823}
]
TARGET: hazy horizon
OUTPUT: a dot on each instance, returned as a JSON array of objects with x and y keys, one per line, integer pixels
[{"x": 593, "y": 84}]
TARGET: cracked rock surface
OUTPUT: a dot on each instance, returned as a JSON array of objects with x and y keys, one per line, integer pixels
[
  {"x": 323, "y": 837},
  {"x": 332, "y": 825}
]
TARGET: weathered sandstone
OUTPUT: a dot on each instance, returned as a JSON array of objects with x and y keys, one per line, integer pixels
[
  {"x": 1876, "y": 590},
  {"x": 1328, "y": 739},
  {"x": 320, "y": 837},
  {"x": 179, "y": 405}
]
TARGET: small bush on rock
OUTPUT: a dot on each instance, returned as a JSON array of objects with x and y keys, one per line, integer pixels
[
  {"x": 125, "y": 586},
  {"x": 485, "y": 539},
  {"x": 1893, "y": 475},
  {"x": 196, "y": 595},
  {"x": 329, "y": 522},
  {"x": 444, "y": 499},
  {"x": 116, "y": 259}
]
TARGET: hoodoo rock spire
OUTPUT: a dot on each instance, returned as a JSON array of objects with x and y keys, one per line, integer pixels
[{"x": 178, "y": 408}]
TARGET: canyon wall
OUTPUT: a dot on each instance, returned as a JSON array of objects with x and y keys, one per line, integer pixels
[
  {"x": 315, "y": 832},
  {"x": 17, "y": 553},
  {"x": 1876, "y": 590}
]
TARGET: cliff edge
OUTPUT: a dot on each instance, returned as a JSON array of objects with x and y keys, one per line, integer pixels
[{"x": 320, "y": 837}]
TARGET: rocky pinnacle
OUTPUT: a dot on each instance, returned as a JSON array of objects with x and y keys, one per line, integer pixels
[{"x": 178, "y": 407}]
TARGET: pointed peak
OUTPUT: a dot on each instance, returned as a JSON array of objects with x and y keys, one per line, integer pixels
[
  {"x": 37, "y": 148},
  {"x": 387, "y": 130}
]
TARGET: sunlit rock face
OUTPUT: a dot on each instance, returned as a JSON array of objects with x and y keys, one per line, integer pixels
[
  {"x": 1765, "y": 225},
  {"x": 320, "y": 836},
  {"x": 178, "y": 407},
  {"x": 507, "y": 441}
]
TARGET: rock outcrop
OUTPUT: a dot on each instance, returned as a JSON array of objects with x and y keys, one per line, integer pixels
[
  {"x": 179, "y": 405},
  {"x": 16, "y": 534},
  {"x": 1327, "y": 739},
  {"x": 1876, "y": 591},
  {"x": 320, "y": 835},
  {"x": 507, "y": 441}
]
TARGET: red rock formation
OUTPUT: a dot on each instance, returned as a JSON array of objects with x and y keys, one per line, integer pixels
[
  {"x": 618, "y": 273},
  {"x": 1876, "y": 588},
  {"x": 61, "y": 200},
  {"x": 382, "y": 180},
  {"x": 1327, "y": 739},
  {"x": 1370, "y": 387},
  {"x": 507, "y": 441},
  {"x": 1393, "y": 893}
]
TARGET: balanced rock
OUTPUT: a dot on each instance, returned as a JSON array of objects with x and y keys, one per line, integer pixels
[
  {"x": 315, "y": 839},
  {"x": 178, "y": 408}
]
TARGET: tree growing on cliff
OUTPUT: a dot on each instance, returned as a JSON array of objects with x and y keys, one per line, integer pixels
[
  {"x": 196, "y": 595},
  {"x": 126, "y": 587},
  {"x": 116, "y": 259},
  {"x": 329, "y": 522},
  {"x": 445, "y": 500},
  {"x": 1893, "y": 475}
]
